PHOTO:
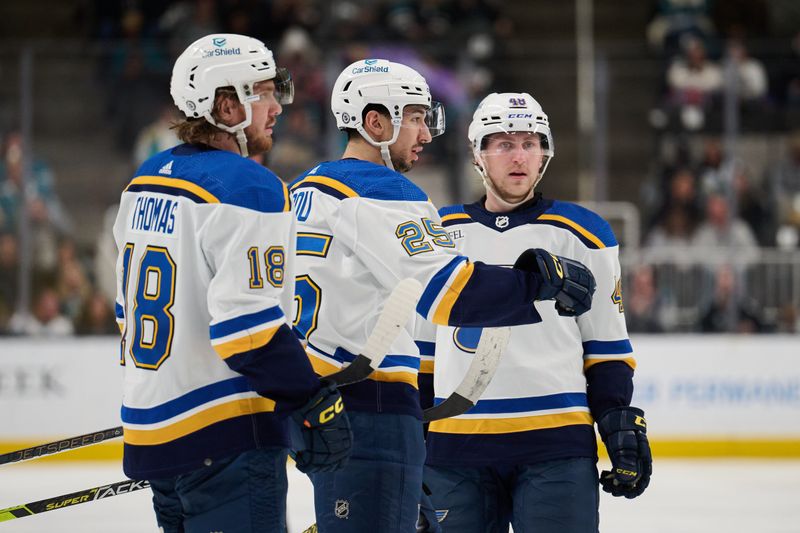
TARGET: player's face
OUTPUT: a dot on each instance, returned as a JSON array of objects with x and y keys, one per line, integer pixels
[
  {"x": 413, "y": 134},
  {"x": 512, "y": 162},
  {"x": 265, "y": 115}
]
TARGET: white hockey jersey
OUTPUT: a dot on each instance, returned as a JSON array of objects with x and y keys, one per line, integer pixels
[
  {"x": 205, "y": 285},
  {"x": 361, "y": 229},
  {"x": 537, "y": 406}
]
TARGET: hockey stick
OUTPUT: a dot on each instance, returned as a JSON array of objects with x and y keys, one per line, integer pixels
[
  {"x": 397, "y": 310},
  {"x": 480, "y": 372},
  {"x": 74, "y": 498},
  {"x": 60, "y": 446}
]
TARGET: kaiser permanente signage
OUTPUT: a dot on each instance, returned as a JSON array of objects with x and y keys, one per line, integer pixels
[{"x": 703, "y": 395}]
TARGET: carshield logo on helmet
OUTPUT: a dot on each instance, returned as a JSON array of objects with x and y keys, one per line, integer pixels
[
  {"x": 370, "y": 61},
  {"x": 219, "y": 41}
]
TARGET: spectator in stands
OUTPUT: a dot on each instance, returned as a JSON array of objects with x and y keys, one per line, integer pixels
[
  {"x": 729, "y": 310},
  {"x": 752, "y": 75},
  {"x": 646, "y": 310},
  {"x": 72, "y": 282},
  {"x": 693, "y": 82},
  {"x": 9, "y": 270},
  {"x": 784, "y": 184},
  {"x": 156, "y": 136},
  {"x": 676, "y": 19},
  {"x": 96, "y": 317},
  {"x": 48, "y": 220},
  {"x": 46, "y": 319},
  {"x": 753, "y": 207},
  {"x": 724, "y": 235}
]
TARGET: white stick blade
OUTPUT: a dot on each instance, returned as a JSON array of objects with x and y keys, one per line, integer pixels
[
  {"x": 397, "y": 310},
  {"x": 491, "y": 346}
]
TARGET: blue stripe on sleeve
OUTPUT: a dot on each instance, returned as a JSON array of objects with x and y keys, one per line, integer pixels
[
  {"x": 184, "y": 403},
  {"x": 241, "y": 323},
  {"x": 425, "y": 347},
  {"x": 607, "y": 347},
  {"x": 522, "y": 405},
  {"x": 400, "y": 360},
  {"x": 435, "y": 285}
]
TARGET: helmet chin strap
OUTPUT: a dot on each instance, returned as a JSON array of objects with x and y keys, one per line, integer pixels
[
  {"x": 382, "y": 145},
  {"x": 241, "y": 138}
]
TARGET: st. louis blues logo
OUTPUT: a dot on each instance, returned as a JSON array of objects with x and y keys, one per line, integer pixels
[
  {"x": 219, "y": 41},
  {"x": 467, "y": 339}
]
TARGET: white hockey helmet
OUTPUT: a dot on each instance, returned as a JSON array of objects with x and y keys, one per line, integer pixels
[
  {"x": 226, "y": 60},
  {"x": 508, "y": 113},
  {"x": 382, "y": 82}
]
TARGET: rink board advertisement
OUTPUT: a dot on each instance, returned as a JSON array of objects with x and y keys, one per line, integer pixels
[{"x": 703, "y": 395}]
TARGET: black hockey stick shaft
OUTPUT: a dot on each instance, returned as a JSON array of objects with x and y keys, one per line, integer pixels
[
  {"x": 73, "y": 498},
  {"x": 60, "y": 445}
]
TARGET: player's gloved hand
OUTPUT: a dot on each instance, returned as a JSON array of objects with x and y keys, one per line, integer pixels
[
  {"x": 567, "y": 282},
  {"x": 624, "y": 432},
  {"x": 326, "y": 438}
]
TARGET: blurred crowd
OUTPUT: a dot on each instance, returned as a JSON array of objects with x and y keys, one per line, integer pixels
[
  {"x": 710, "y": 211},
  {"x": 712, "y": 207}
]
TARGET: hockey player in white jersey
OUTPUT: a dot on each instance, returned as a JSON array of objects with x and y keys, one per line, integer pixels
[
  {"x": 526, "y": 452},
  {"x": 213, "y": 372},
  {"x": 362, "y": 227}
]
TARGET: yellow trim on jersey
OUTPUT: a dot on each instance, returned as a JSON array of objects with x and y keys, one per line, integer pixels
[
  {"x": 330, "y": 182},
  {"x": 287, "y": 204},
  {"x": 324, "y": 368},
  {"x": 176, "y": 183},
  {"x": 509, "y": 425},
  {"x": 442, "y": 314},
  {"x": 577, "y": 227},
  {"x": 426, "y": 366},
  {"x": 455, "y": 216},
  {"x": 631, "y": 362},
  {"x": 246, "y": 343},
  {"x": 196, "y": 422}
]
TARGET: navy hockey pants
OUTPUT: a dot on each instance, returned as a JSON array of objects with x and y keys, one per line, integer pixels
[
  {"x": 560, "y": 496},
  {"x": 243, "y": 493},
  {"x": 379, "y": 489}
]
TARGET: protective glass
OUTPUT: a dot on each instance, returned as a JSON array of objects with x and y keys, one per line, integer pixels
[
  {"x": 503, "y": 143},
  {"x": 434, "y": 119},
  {"x": 284, "y": 86}
]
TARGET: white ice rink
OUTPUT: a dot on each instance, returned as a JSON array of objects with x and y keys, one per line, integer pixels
[{"x": 686, "y": 496}]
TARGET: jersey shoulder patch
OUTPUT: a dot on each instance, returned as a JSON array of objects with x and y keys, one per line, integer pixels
[
  {"x": 206, "y": 175},
  {"x": 354, "y": 178},
  {"x": 454, "y": 214},
  {"x": 589, "y": 227}
]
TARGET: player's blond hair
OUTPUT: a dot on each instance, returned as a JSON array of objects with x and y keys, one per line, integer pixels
[{"x": 199, "y": 130}]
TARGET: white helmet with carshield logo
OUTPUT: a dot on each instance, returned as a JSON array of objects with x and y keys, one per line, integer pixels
[
  {"x": 382, "y": 82},
  {"x": 226, "y": 60},
  {"x": 508, "y": 113}
]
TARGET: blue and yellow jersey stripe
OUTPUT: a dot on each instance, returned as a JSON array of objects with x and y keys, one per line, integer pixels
[
  {"x": 512, "y": 415},
  {"x": 443, "y": 290},
  {"x": 172, "y": 186},
  {"x": 595, "y": 351},
  {"x": 191, "y": 412},
  {"x": 246, "y": 332},
  {"x": 393, "y": 369},
  {"x": 427, "y": 351},
  {"x": 326, "y": 185},
  {"x": 455, "y": 218}
]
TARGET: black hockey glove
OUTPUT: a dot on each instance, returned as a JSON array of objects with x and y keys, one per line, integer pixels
[
  {"x": 624, "y": 432},
  {"x": 325, "y": 431},
  {"x": 567, "y": 282}
]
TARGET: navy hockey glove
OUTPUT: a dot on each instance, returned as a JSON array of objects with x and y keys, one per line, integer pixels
[
  {"x": 326, "y": 438},
  {"x": 567, "y": 282},
  {"x": 624, "y": 432}
]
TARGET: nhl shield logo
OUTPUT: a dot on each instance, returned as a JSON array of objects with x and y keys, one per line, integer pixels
[
  {"x": 501, "y": 222},
  {"x": 341, "y": 509}
]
